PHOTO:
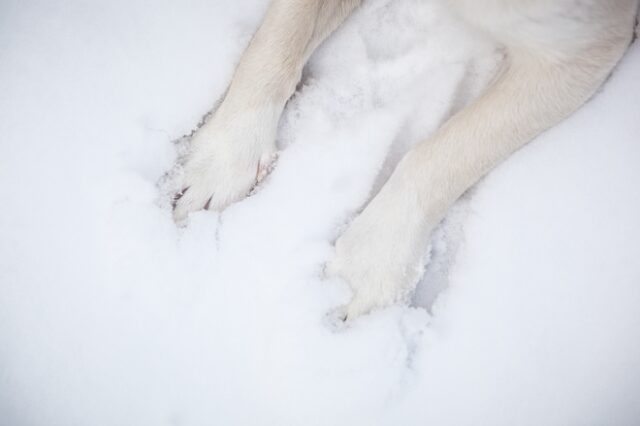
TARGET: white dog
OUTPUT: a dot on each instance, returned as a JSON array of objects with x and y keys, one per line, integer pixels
[{"x": 558, "y": 53}]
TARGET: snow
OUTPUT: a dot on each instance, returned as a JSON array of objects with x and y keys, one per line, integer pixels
[{"x": 111, "y": 315}]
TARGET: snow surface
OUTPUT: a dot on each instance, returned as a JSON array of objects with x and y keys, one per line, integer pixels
[{"x": 110, "y": 315}]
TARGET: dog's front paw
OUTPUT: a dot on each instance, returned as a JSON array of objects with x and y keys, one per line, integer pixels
[
  {"x": 380, "y": 256},
  {"x": 374, "y": 273},
  {"x": 226, "y": 160}
]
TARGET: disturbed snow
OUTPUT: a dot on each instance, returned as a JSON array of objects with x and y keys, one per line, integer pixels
[{"x": 111, "y": 315}]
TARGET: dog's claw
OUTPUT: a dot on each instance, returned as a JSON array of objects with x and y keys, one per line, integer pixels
[
  {"x": 177, "y": 197},
  {"x": 266, "y": 166}
]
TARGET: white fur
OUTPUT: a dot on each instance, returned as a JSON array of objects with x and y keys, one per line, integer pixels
[{"x": 558, "y": 52}]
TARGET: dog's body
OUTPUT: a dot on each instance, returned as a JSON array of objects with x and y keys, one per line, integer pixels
[{"x": 558, "y": 52}]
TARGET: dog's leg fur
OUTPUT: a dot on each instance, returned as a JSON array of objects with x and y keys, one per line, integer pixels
[
  {"x": 229, "y": 151},
  {"x": 380, "y": 254},
  {"x": 558, "y": 54}
]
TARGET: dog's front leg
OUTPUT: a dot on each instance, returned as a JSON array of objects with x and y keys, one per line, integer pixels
[
  {"x": 380, "y": 254},
  {"x": 231, "y": 150}
]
